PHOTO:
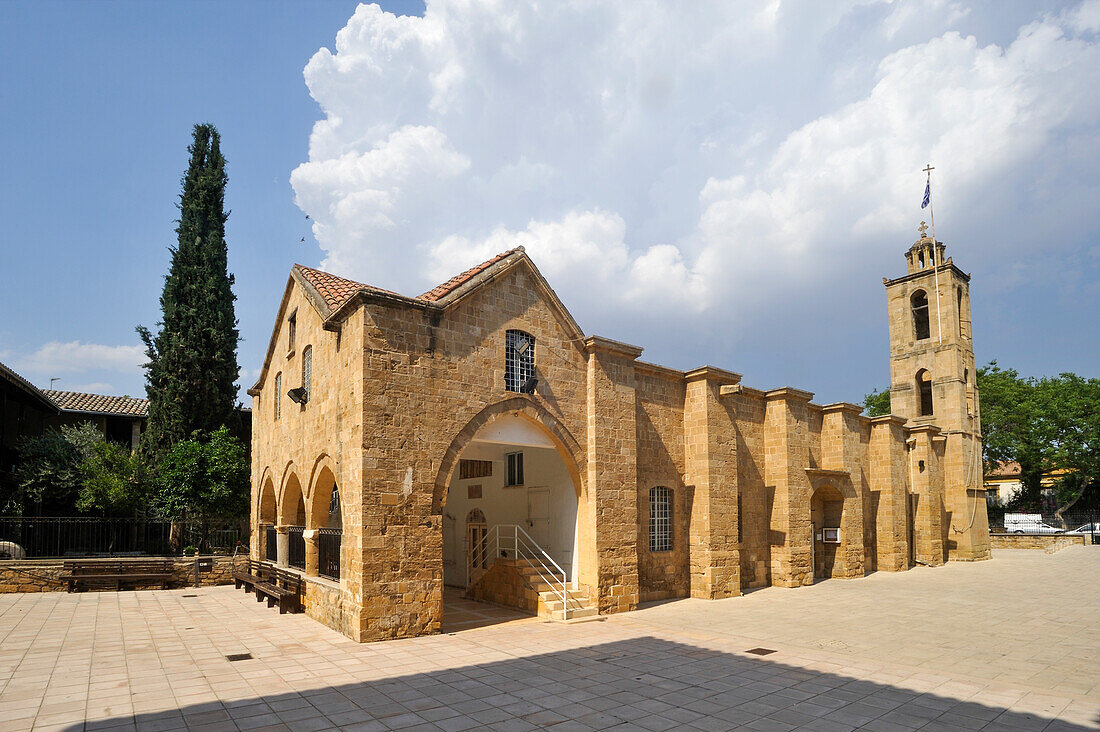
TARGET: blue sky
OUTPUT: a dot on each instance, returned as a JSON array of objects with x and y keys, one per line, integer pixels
[{"x": 726, "y": 186}]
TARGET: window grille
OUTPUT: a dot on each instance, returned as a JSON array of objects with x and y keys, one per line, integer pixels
[
  {"x": 475, "y": 469},
  {"x": 307, "y": 372},
  {"x": 660, "y": 519},
  {"x": 519, "y": 361},
  {"x": 334, "y": 502},
  {"x": 515, "y": 468},
  {"x": 278, "y": 394}
]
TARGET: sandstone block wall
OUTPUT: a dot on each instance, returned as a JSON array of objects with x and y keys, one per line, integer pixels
[{"x": 44, "y": 575}]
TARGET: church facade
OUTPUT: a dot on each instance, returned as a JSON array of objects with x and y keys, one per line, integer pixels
[{"x": 474, "y": 438}]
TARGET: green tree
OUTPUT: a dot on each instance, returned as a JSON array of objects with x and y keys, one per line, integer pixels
[
  {"x": 47, "y": 475},
  {"x": 192, "y": 363},
  {"x": 205, "y": 477},
  {"x": 877, "y": 403},
  {"x": 1050, "y": 426},
  {"x": 114, "y": 481}
]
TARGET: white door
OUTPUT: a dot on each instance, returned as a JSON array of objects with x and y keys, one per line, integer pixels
[{"x": 538, "y": 516}]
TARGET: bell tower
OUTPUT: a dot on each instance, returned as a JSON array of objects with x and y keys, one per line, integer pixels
[{"x": 933, "y": 385}]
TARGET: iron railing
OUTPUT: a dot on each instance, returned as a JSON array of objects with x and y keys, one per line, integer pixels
[
  {"x": 42, "y": 537},
  {"x": 509, "y": 541},
  {"x": 296, "y": 554},
  {"x": 328, "y": 553},
  {"x": 271, "y": 541}
]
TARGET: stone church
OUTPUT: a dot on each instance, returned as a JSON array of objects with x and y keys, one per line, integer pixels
[{"x": 473, "y": 440}]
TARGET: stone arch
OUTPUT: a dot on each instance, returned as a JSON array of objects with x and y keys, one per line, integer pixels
[
  {"x": 565, "y": 444},
  {"x": 291, "y": 503},
  {"x": 318, "y": 500},
  {"x": 265, "y": 503}
]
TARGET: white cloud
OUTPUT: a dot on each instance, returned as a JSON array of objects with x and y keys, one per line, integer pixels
[
  {"x": 78, "y": 357},
  {"x": 655, "y": 161}
]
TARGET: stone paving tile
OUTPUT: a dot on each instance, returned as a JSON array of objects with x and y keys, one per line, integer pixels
[{"x": 983, "y": 652}]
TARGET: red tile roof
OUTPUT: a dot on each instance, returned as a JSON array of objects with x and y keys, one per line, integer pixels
[
  {"x": 335, "y": 291},
  {"x": 338, "y": 290},
  {"x": 123, "y": 406},
  {"x": 25, "y": 386},
  {"x": 441, "y": 291},
  {"x": 1006, "y": 469}
]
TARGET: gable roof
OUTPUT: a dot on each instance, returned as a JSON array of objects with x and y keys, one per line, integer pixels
[
  {"x": 114, "y": 406},
  {"x": 26, "y": 387},
  {"x": 332, "y": 295},
  {"x": 441, "y": 291}
]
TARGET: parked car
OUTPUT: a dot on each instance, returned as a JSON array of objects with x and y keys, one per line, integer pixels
[
  {"x": 1029, "y": 523},
  {"x": 1093, "y": 528}
]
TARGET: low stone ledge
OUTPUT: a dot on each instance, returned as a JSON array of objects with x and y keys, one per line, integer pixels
[
  {"x": 44, "y": 575},
  {"x": 1049, "y": 543}
]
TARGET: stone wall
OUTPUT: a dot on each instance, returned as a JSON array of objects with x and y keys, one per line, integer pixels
[
  {"x": 503, "y": 584},
  {"x": 43, "y": 575},
  {"x": 1049, "y": 543}
]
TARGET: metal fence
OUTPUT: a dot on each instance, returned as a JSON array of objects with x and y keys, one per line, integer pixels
[
  {"x": 271, "y": 550},
  {"x": 328, "y": 553},
  {"x": 1073, "y": 523},
  {"x": 296, "y": 555},
  {"x": 51, "y": 537}
]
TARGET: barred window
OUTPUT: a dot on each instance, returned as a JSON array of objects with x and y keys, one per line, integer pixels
[
  {"x": 515, "y": 468},
  {"x": 334, "y": 502},
  {"x": 660, "y": 519},
  {"x": 307, "y": 372},
  {"x": 278, "y": 394},
  {"x": 519, "y": 361}
]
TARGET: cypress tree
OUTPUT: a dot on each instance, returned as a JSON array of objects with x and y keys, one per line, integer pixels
[{"x": 193, "y": 358}]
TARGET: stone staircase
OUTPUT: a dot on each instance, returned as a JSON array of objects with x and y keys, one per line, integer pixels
[{"x": 518, "y": 583}]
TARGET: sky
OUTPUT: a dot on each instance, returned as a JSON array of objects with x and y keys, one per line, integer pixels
[{"x": 718, "y": 183}]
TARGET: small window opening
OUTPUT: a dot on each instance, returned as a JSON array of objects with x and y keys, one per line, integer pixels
[
  {"x": 519, "y": 362},
  {"x": 924, "y": 388},
  {"x": 292, "y": 329},
  {"x": 515, "y": 468},
  {"x": 278, "y": 394},
  {"x": 660, "y": 519},
  {"x": 307, "y": 372},
  {"x": 919, "y": 302},
  {"x": 959, "y": 301}
]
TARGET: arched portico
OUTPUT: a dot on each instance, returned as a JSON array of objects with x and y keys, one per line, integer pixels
[
  {"x": 324, "y": 522},
  {"x": 265, "y": 516},
  {"x": 291, "y": 521}
]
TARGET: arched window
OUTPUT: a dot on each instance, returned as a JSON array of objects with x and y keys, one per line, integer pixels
[
  {"x": 660, "y": 519},
  {"x": 924, "y": 388},
  {"x": 278, "y": 394},
  {"x": 307, "y": 372},
  {"x": 959, "y": 300},
  {"x": 519, "y": 362},
  {"x": 919, "y": 302}
]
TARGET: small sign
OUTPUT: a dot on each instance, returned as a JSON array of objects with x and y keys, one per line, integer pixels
[
  {"x": 205, "y": 565},
  {"x": 473, "y": 491}
]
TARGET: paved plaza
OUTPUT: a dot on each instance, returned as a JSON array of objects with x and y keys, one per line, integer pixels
[{"x": 1011, "y": 644}]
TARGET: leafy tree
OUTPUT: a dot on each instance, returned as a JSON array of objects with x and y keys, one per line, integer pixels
[
  {"x": 1050, "y": 426},
  {"x": 48, "y": 474},
  {"x": 206, "y": 477},
  {"x": 192, "y": 363},
  {"x": 115, "y": 481},
  {"x": 877, "y": 403}
]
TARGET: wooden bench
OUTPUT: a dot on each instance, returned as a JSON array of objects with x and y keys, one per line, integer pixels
[
  {"x": 116, "y": 573},
  {"x": 271, "y": 583}
]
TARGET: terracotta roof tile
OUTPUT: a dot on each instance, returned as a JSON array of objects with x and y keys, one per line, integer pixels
[
  {"x": 123, "y": 406},
  {"x": 440, "y": 291},
  {"x": 1005, "y": 469},
  {"x": 23, "y": 385},
  {"x": 334, "y": 290}
]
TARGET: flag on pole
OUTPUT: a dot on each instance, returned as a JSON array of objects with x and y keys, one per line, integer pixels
[{"x": 927, "y": 194}]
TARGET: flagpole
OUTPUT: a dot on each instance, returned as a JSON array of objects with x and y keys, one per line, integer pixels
[{"x": 935, "y": 263}]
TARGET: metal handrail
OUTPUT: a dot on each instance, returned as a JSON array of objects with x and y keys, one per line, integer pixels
[{"x": 505, "y": 537}]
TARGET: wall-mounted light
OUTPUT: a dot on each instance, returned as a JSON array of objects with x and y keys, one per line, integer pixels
[{"x": 298, "y": 395}]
